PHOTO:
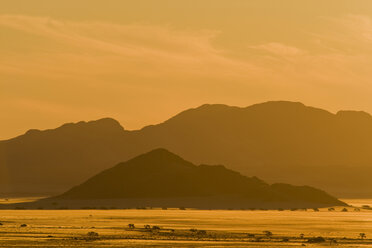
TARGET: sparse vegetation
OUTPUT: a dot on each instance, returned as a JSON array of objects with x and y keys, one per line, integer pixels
[
  {"x": 268, "y": 233},
  {"x": 92, "y": 234},
  {"x": 201, "y": 232},
  {"x": 91, "y": 222},
  {"x": 316, "y": 240},
  {"x": 156, "y": 228}
]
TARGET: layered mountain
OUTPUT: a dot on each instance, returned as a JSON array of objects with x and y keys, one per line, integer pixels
[
  {"x": 279, "y": 141},
  {"x": 163, "y": 179},
  {"x": 51, "y": 161}
]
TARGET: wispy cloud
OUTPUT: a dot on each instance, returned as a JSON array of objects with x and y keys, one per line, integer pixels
[
  {"x": 279, "y": 49},
  {"x": 110, "y": 48}
]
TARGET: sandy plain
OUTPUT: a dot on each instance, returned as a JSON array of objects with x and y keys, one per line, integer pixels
[{"x": 186, "y": 228}]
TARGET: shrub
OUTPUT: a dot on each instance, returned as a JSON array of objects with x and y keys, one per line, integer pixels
[
  {"x": 156, "y": 228},
  {"x": 258, "y": 239},
  {"x": 92, "y": 234},
  {"x": 316, "y": 240}
]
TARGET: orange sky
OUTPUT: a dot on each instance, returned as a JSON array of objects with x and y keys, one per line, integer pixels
[{"x": 141, "y": 62}]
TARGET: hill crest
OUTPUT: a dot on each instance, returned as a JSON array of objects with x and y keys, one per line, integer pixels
[{"x": 160, "y": 174}]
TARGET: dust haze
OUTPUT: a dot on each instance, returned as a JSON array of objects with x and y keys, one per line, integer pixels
[{"x": 166, "y": 123}]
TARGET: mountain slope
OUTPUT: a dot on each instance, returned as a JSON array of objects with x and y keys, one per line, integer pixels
[
  {"x": 50, "y": 161},
  {"x": 279, "y": 141},
  {"x": 162, "y": 174}
]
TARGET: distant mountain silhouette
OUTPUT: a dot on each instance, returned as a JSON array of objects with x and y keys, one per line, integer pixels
[
  {"x": 160, "y": 174},
  {"x": 278, "y": 141},
  {"x": 50, "y": 161}
]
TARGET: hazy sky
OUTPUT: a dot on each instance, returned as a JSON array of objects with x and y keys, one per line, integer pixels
[{"x": 141, "y": 62}]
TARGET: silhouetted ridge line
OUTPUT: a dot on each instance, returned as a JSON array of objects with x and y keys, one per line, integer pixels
[{"x": 279, "y": 141}]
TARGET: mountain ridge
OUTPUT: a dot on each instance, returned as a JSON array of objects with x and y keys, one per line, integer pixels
[{"x": 280, "y": 141}]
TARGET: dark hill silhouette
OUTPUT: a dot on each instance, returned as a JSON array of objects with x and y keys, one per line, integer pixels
[
  {"x": 160, "y": 174},
  {"x": 279, "y": 141}
]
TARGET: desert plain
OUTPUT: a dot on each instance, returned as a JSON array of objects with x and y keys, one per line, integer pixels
[{"x": 187, "y": 228}]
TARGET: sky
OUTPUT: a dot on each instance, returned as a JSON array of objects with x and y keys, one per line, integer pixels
[{"x": 143, "y": 61}]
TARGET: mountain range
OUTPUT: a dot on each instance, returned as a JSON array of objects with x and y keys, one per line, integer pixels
[{"x": 278, "y": 141}]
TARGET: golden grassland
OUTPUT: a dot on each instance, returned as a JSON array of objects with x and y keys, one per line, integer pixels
[{"x": 184, "y": 228}]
